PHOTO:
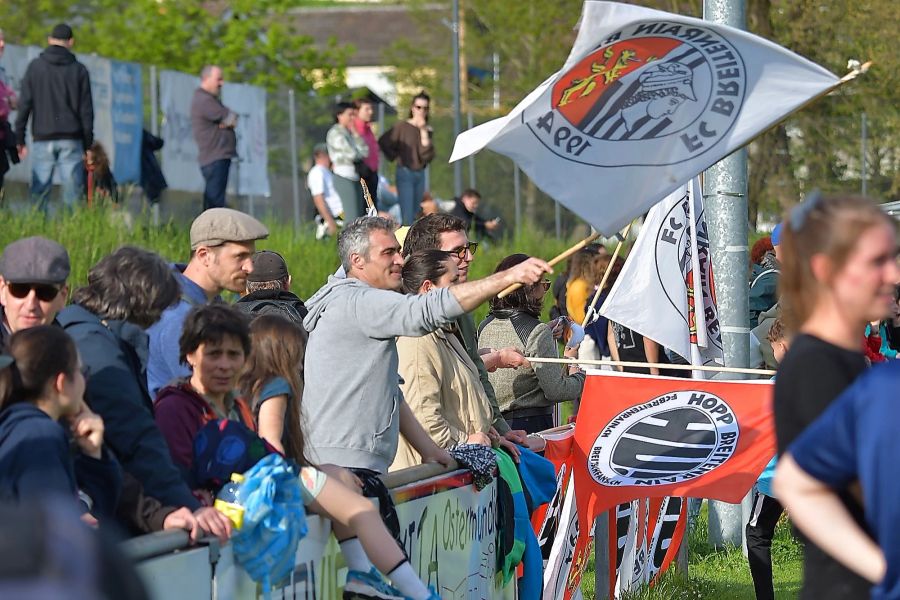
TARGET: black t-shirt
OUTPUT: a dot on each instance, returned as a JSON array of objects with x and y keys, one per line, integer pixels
[
  {"x": 630, "y": 345},
  {"x": 811, "y": 376}
]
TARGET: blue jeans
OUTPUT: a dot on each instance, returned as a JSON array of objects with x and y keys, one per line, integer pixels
[
  {"x": 45, "y": 157},
  {"x": 216, "y": 176},
  {"x": 410, "y": 189}
]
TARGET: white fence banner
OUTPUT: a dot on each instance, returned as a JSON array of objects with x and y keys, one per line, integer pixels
[
  {"x": 249, "y": 102},
  {"x": 179, "y": 155}
]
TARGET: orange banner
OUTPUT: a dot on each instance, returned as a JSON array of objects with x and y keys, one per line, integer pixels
[{"x": 648, "y": 437}]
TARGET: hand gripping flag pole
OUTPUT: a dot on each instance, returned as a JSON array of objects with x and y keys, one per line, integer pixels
[{"x": 555, "y": 260}]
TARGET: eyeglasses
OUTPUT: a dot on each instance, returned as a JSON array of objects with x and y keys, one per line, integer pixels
[
  {"x": 421, "y": 106},
  {"x": 44, "y": 292},
  {"x": 546, "y": 284},
  {"x": 460, "y": 252}
]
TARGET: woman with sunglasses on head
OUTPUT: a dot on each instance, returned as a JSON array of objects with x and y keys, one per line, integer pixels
[
  {"x": 839, "y": 269},
  {"x": 409, "y": 143},
  {"x": 527, "y": 395}
]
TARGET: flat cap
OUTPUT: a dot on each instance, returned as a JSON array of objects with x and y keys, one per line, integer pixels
[
  {"x": 61, "y": 32},
  {"x": 268, "y": 266},
  {"x": 217, "y": 226},
  {"x": 35, "y": 260}
]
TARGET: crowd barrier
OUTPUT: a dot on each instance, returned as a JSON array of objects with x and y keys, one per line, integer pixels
[{"x": 447, "y": 529}]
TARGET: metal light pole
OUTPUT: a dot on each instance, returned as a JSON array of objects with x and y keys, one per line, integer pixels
[
  {"x": 725, "y": 198},
  {"x": 862, "y": 154},
  {"x": 457, "y": 93},
  {"x": 295, "y": 176}
]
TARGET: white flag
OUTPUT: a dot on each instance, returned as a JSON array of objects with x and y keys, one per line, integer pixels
[
  {"x": 666, "y": 290},
  {"x": 645, "y": 101}
]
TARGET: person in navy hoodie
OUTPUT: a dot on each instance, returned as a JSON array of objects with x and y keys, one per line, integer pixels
[{"x": 42, "y": 395}]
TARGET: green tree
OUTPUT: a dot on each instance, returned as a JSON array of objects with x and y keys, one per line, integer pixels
[
  {"x": 817, "y": 147},
  {"x": 253, "y": 40}
]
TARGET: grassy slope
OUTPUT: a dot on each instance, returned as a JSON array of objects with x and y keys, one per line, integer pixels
[
  {"x": 91, "y": 234},
  {"x": 721, "y": 575}
]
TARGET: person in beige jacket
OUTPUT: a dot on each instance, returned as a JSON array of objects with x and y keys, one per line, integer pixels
[{"x": 439, "y": 380}]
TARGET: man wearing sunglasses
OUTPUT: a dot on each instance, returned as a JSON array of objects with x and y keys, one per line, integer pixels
[{"x": 33, "y": 273}]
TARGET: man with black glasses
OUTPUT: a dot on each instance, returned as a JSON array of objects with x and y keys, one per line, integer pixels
[
  {"x": 445, "y": 232},
  {"x": 33, "y": 274}
]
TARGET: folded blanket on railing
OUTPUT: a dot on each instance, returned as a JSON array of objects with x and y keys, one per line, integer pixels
[{"x": 274, "y": 521}]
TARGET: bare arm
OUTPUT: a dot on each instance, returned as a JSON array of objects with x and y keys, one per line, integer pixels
[
  {"x": 819, "y": 513},
  {"x": 611, "y": 340},
  {"x": 651, "y": 351},
  {"x": 271, "y": 420},
  {"x": 471, "y": 294},
  {"x": 322, "y": 208}
]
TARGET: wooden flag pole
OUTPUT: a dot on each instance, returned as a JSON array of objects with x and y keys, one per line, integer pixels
[
  {"x": 554, "y": 261},
  {"x": 612, "y": 262},
  {"x": 371, "y": 211},
  {"x": 645, "y": 365}
]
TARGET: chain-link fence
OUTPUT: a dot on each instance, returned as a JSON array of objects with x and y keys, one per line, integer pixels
[{"x": 806, "y": 152}]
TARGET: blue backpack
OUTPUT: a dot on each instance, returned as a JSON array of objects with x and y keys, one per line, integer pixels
[{"x": 223, "y": 447}]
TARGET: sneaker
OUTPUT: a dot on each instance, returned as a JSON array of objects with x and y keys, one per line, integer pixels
[{"x": 370, "y": 585}]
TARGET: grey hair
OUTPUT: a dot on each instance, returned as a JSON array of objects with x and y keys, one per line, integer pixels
[
  {"x": 272, "y": 284},
  {"x": 354, "y": 239},
  {"x": 206, "y": 71}
]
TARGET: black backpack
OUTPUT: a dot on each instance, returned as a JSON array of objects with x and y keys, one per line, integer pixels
[{"x": 283, "y": 308}]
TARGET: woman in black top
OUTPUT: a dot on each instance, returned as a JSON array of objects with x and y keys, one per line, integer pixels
[{"x": 839, "y": 272}]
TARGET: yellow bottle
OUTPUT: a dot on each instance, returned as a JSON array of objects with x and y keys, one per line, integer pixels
[{"x": 228, "y": 503}]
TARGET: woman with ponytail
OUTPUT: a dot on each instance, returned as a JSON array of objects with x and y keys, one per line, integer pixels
[{"x": 41, "y": 397}]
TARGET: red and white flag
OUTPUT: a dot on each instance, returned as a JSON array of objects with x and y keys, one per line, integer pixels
[{"x": 645, "y": 101}]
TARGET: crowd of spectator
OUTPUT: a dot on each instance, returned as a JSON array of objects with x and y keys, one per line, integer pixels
[{"x": 147, "y": 354}]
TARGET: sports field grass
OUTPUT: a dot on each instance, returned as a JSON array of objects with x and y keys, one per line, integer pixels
[{"x": 720, "y": 574}]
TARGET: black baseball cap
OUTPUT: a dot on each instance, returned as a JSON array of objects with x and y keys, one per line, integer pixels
[
  {"x": 35, "y": 260},
  {"x": 268, "y": 266}
]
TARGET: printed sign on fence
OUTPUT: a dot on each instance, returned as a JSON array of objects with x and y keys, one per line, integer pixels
[
  {"x": 179, "y": 155},
  {"x": 127, "y": 120},
  {"x": 447, "y": 528},
  {"x": 249, "y": 172}
]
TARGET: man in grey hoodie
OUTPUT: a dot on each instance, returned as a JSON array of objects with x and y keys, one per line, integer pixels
[{"x": 351, "y": 398}]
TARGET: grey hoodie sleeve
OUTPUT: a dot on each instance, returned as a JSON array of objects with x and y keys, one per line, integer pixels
[{"x": 387, "y": 314}]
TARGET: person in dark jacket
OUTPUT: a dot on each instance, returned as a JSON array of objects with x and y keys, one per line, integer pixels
[
  {"x": 466, "y": 208},
  {"x": 268, "y": 290},
  {"x": 152, "y": 179},
  {"x": 56, "y": 94},
  {"x": 126, "y": 291},
  {"x": 41, "y": 383}
]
